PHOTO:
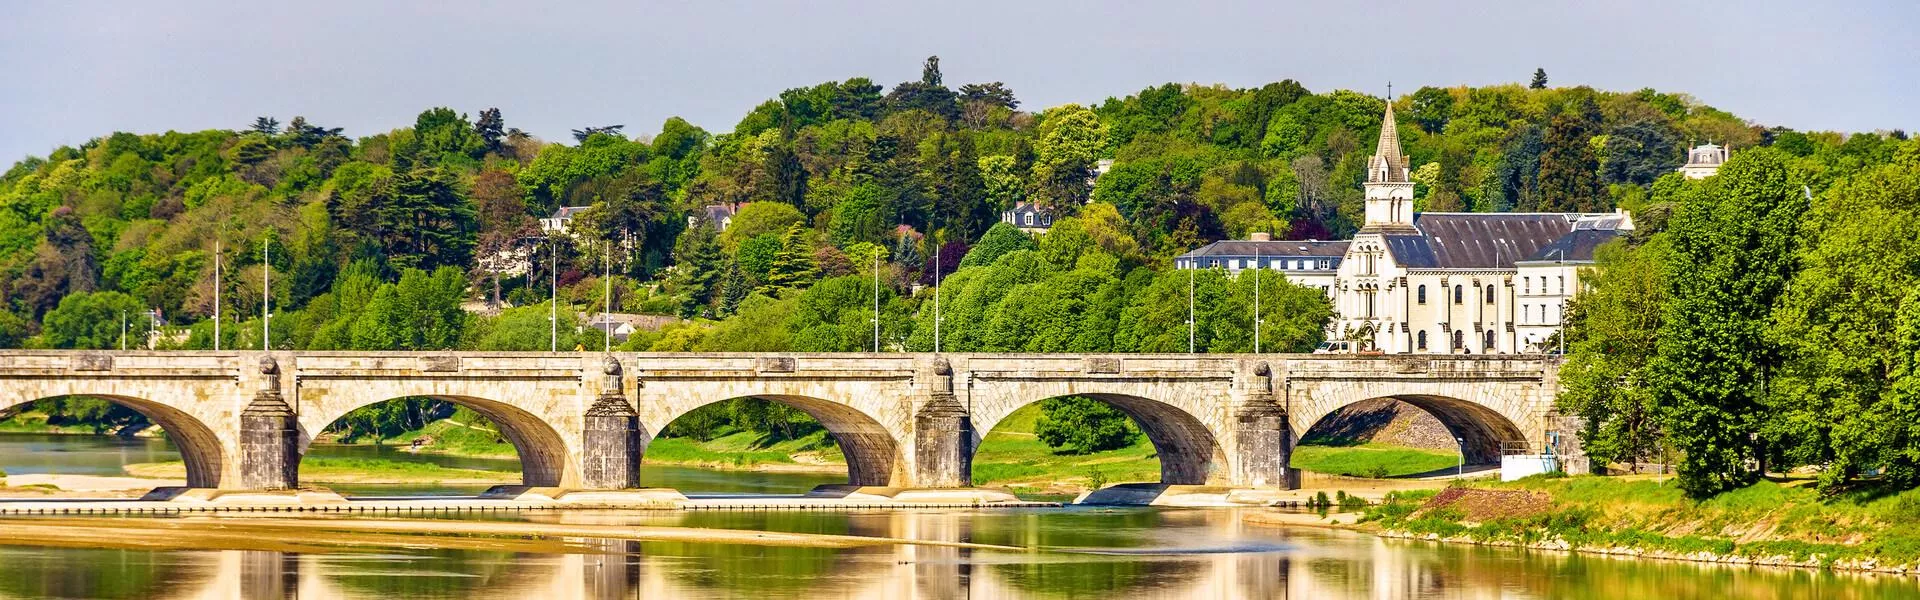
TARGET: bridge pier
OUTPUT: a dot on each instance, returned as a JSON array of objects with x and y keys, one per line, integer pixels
[
  {"x": 269, "y": 437},
  {"x": 610, "y": 445},
  {"x": 942, "y": 435},
  {"x": 1263, "y": 439}
]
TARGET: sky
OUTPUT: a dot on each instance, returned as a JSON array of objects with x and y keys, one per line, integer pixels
[{"x": 72, "y": 71}]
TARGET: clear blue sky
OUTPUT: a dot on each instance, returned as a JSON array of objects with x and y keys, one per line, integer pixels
[{"x": 70, "y": 71}]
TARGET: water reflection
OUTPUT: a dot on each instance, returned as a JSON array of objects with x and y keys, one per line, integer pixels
[{"x": 1130, "y": 554}]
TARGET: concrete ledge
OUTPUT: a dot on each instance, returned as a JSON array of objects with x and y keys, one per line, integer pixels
[
  {"x": 634, "y": 498},
  {"x": 943, "y": 496},
  {"x": 299, "y": 497},
  {"x": 1160, "y": 494}
]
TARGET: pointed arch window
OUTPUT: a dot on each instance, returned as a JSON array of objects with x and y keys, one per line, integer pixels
[
  {"x": 1423, "y": 339},
  {"x": 1489, "y": 293},
  {"x": 1421, "y": 292},
  {"x": 1459, "y": 294}
]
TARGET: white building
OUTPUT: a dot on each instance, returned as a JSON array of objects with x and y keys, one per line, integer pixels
[
  {"x": 1029, "y": 217},
  {"x": 561, "y": 220},
  {"x": 1704, "y": 160},
  {"x": 1468, "y": 283}
]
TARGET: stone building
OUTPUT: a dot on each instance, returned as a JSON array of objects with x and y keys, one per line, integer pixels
[
  {"x": 1704, "y": 160},
  {"x": 1449, "y": 283}
]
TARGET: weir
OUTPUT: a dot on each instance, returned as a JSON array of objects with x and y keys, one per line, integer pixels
[{"x": 905, "y": 421}]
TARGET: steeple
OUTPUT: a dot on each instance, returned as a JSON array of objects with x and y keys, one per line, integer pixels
[
  {"x": 1387, "y": 165},
  {"x": 1389, "y": 190}
]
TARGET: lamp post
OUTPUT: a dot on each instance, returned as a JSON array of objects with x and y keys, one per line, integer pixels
[
  {"x": 266, "y": 293},
  {"x": 1190, "y": 324},
  {"x": 216, "y": 294},
  {"x": 123, "y": 330},
  {"x": 553, "y": 295},
  {"x": 1259, "y": 269},
  {"x": 606, "y": 301},
  {"x": 876, "y": 302},
  {"x": 1461, "y": 471}
]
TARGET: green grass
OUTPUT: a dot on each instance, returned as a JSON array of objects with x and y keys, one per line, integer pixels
[
  {"x": 1010, "y": 456},
  {"x": 743, "y": 449},
  {"x": 1371, "y": 460},
  {"x": 455, "y": 438},
  {"x": 1770, "y": 518}
]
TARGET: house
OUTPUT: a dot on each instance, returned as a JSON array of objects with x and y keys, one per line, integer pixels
[
  {"x": 1465, "y": 283},
  {"x": 1704, "y": 161},
  {"x": 561, "y": 220},
  {"x": 1029, "y": 217},
  {"x": 1311, "y": 263},
  {"x": 511, "y": 260},
  {"x": 720, "y": 215}
]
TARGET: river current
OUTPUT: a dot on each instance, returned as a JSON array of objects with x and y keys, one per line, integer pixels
[{"x": 1079, "y": 552}]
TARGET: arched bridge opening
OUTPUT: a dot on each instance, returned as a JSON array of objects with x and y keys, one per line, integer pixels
[
  {"x": 441, "y": 429},
  {"x": 778, "y": 423},
  {"x": 1477, "y": 431},
  {"x": 200, "y": 449},
  {"x": 1186, "y": 450}
]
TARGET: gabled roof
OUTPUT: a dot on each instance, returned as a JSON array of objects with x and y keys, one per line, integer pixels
[
  {"x": 1479, "y": 240},
  {"x": 567, "y": 212}
]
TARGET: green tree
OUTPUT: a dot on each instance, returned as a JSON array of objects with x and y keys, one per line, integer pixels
[
  {"x": 1069, "y": 141},
  {"x": 1539, "y": 79},
  {"x": 93, "y": 321},
  {"x": 759, "y": 218},
  {"x": 1732, "y": 256},
  {"x": 1569, "y": 168},
  {"x": 427, "y": 222},
  {"x": 699, "y": 265},
  {"x": 793, "y": 265},
  {"x": 1001, "y": 239},
  {"x": 1612, "y": 332},
  {"x": 1079, "y": 425}
]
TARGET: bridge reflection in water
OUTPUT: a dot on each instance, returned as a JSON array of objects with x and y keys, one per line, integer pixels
[{"x": 1126, "y": 553}]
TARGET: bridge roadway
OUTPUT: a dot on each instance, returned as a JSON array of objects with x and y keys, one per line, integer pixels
[{"x": 582, "y": 421}]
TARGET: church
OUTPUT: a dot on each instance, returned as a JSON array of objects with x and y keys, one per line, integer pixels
[{"x": 1444, "y": 283}]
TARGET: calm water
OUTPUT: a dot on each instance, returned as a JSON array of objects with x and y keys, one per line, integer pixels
[{"x": 1120, "y": 554}]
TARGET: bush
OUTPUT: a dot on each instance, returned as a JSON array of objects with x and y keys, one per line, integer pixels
[{"x": 1075, "y": 425}]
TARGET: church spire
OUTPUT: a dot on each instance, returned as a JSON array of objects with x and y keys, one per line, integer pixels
[
  {"x": 1389, "y": 192},
  {"x": 1388, "y": 165}
]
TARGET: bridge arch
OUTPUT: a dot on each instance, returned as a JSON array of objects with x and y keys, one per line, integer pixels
[
  {"x": 872, "y": 452},
  {"x": 200, "y": 448},
  {"x": 1479, "y": 425},
  {"x": 542, "y": 449},
  {"x": 1190, "y": 452}
]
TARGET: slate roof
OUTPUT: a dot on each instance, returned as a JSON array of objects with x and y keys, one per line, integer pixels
[
  {"x": 1273, "y": 249},
  {"x": 1477, "y": 240},
  {"x": 1574, "y": 247}
]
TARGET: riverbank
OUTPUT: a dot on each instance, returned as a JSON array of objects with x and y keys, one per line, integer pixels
[
  {"x": 1774, "y": 523},
  {"x": 321, "y": 470}
]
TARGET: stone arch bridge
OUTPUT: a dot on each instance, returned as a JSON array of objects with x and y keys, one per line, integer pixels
[{"x": 242, "y": 420}]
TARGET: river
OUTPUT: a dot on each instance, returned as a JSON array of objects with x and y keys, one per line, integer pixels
[{"x": 1087, "y": 553}]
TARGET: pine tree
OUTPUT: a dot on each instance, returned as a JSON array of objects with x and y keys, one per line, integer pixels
[
  {"x": 1569, "y": 168},
  {"x": 733, "y": 288},
  {"x": 793, "y": 266},
  {"x": 1539, "y": 79},
  {"x": 491, "y": 128},
  {"x": 697, "y": 270}
]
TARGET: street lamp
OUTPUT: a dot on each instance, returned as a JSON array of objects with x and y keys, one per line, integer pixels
[{"x": 1461, "y": 471}]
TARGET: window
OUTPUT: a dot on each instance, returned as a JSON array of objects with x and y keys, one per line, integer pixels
[
  {"x": 1423, "y": 339},
  {"x": 1563, "y": 285},
  {"x": 1528, "y": 287},
  {"x": 1489, "y": 293},
  {"x": 1488, "y": 346},
  {"x": 1422, "y": 294},
  {"x": 1459, "y": 294},
  {"x": 1526, "y": 312},
  {"x": 1029, "y": 218},
  {"x": 1325, "y": 262},
  {"x": 1459, "y": 340}
]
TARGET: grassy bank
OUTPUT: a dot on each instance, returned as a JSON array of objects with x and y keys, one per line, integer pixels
[
  {"x": 749, "y": 451},
  {"x": 1771, "y": 522},
  {"x": 1011, "y": 456},
  {"x": 353, "y": 470},
  {"x": 1372, "y": 460}
]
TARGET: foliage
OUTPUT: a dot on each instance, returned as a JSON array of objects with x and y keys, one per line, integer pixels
[{"x": 1078, "y": 425}]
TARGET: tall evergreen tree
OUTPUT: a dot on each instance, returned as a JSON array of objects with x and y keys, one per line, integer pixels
[
  {"x": 1569, "y": 168},
  {"x": 793, "y": 266},
  {"x": 1539, "y": 79},
  {"x": 491, "y": 127}
]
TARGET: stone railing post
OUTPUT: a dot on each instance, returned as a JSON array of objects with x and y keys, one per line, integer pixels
[
  {"x": 611, "y": 448},
  {"x": 269, "y": 436},
  {"x": 942, "y": 435},
  {"x": 1263, "y": 440}
]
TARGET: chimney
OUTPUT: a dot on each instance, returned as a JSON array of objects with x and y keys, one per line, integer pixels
[{"x": 1260, "y": 236}]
